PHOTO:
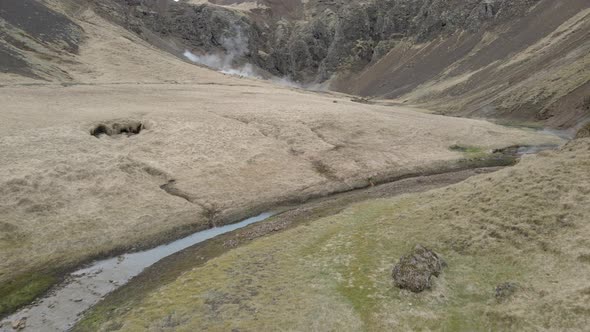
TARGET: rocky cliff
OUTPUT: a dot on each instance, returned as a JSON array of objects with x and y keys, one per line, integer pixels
[
  {"x": 522, "y": 61},
  {"x": 318, "y": 40}
]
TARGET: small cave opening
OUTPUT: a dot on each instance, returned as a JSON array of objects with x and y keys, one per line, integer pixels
[{"x": 117, "y": 128}]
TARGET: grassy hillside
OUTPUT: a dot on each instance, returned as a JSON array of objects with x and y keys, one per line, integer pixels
[{"x": 524, "y": 226}]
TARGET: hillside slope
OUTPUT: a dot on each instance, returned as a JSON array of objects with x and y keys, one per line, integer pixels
[
  {"x": 515, "y": 241},
  {"x": 535, "y": 69},
  {"x": 35, "y": 40}
]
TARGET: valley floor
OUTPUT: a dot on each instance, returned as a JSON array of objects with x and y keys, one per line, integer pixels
[
  {"x": 208, "y": 153},
  {"x": 524, "y": 226},
  {"x": 138, "y": 147}
]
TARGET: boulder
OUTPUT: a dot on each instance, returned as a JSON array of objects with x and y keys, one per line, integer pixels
[{"x": 19, "y": 324}]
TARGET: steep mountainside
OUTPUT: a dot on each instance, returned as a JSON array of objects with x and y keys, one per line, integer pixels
[
  {"x": 523, "y": 61},
  {"x": 534, "y": 68},
  {"x": 35, "y": 40}
]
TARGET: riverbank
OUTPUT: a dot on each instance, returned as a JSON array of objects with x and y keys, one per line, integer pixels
[
  {"x": 170, "y": 268},
  {"x": 523, "y": 226},
  {"x": 89, "y": 293}
]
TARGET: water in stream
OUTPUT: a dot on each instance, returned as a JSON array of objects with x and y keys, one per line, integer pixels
[{"x": 65, "y": 304}]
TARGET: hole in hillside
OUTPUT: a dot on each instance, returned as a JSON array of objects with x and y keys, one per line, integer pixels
[{"x": 119, "y": 127}]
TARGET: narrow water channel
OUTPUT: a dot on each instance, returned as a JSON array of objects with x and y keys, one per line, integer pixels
[{"x": 65, "y": 303}]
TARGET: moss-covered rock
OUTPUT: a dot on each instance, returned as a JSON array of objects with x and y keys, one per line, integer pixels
[{"x": 415, "y": 270}]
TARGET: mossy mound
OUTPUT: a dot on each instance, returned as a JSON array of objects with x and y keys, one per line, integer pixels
[
  {"x": 415, "y": 271},
  {"x": 584, "y": 131}
]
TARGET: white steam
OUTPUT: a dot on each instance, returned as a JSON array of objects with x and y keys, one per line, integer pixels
[{"x": 236, "y": 47}]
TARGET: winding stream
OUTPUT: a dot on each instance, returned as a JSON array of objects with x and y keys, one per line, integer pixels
[{"x": 65, "y": 303}]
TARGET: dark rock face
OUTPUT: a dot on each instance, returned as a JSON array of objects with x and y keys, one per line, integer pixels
[
  {"x": 376, "y": 26},
  {"x": 415, "y": 270},
  {"x": 203, "y": 28},
  {"x": 324, "y": 39}
]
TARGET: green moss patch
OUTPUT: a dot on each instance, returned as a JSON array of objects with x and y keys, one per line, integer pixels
[{"x": 23, "y": 290}]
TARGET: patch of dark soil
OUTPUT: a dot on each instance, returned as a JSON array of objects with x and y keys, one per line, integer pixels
[
  {"x": 505, "y": 290},
  {"x": 415, "y": 270},
  {"x": 117, "y": 127},
  {"x": 324, "y": 170},
  {"x": 257, "y": 231}
]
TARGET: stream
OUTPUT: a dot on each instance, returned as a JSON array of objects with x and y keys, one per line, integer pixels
[{"x": 64, "y": 304}]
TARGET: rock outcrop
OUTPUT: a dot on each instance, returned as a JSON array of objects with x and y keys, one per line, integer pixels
[{"x": 323, "y": 40}]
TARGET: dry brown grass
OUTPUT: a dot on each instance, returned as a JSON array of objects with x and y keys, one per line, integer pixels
[
  {"x": 526, "y": 225},
  {"x": 67, "y": 196}
]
